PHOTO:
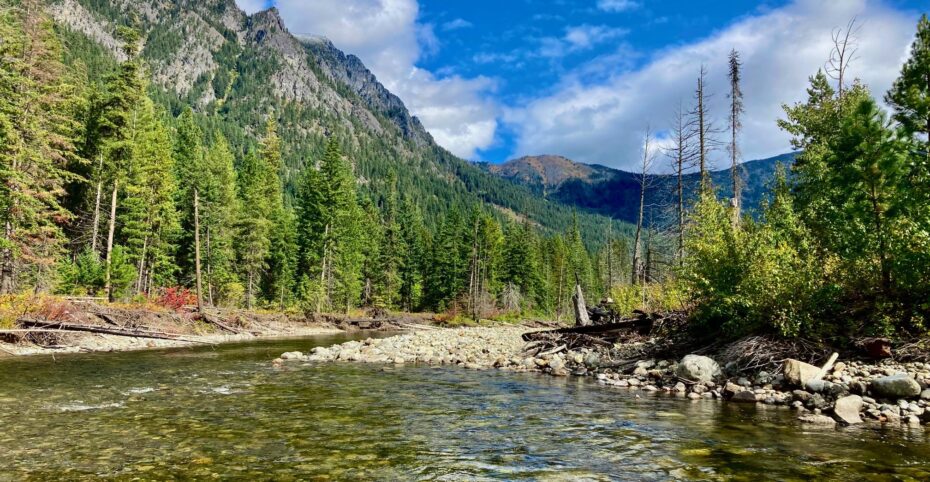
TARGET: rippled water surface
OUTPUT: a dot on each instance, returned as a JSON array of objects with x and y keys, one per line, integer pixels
[{"x": 226, "y": 413}]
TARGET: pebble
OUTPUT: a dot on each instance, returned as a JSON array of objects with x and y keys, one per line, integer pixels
[{"x": 502, "y": 348}]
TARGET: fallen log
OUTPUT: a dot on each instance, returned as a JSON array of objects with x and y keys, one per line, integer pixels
[
  {"x": 55, "y": 326},
  {"x": 641, "y": 324},
  {"x": 215, "y": 321}
]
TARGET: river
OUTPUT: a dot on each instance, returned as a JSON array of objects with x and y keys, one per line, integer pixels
[{"x": 208, "y": 412}]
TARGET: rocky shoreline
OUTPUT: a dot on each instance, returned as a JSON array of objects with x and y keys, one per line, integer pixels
[{"x": 846, "y": 393}]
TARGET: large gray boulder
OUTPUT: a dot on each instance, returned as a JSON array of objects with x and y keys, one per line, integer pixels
[
  {"x": 847, "y": 409},
  {"x": 798, "y": 373},
  {"x": 896, "y": 386},
  {"x": 698, "y": 368}
]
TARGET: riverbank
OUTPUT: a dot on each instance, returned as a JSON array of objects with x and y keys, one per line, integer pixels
[
  {"x": 846, "y": 393},
  {"x": 51, "y": 325}
]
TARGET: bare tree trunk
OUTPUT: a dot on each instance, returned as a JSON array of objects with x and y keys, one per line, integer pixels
[
  {"x": 643, "y": 184},
  {"x": 108, "y": 282},
  {"x": 248, "y": 291},
  {"x": 197, "y": 250},
  {"x": 94, "y": 231},
  {"x": 140, "y": 278},
  {"x": 319, "y": 302},
  {"x": 7, "y": 271},
  {"x": 736, "y": 109},
  {"x": 209, "y": 270},
  {"x": 702, "y": 130},
  {"x": 581, "y": 311}
]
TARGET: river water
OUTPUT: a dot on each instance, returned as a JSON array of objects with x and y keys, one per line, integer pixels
[{"x": 224, "y": 412}]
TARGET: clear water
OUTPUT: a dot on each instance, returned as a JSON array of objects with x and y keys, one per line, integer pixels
[{"x": 224, "y": 412}]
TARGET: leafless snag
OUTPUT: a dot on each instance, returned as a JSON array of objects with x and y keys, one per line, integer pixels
[{"x": 845, "y": 48}]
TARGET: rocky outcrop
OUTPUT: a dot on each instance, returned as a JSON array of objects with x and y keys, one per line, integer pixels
[
  {"x": 350, "y": 71},
  {"x": 79, "y": 19}
]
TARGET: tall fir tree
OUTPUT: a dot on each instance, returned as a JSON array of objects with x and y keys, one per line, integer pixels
[{"x": 37, "y": 131}]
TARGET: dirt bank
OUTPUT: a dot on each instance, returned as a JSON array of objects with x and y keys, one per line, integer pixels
[{"x": 59, "y": 325}]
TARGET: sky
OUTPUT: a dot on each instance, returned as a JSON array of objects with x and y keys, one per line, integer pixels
[{"x": 497, "y": 79}]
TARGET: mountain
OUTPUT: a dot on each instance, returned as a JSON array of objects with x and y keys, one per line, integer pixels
[
  {"x": 235, "y": 70},
  {"x": 615, "y": 193}
]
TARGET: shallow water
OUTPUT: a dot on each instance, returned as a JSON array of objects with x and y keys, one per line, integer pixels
[{"x": 201, "y": 413}]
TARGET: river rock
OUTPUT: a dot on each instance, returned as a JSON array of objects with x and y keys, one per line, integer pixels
[
  {"x": 698, "y": 368},
  {"x": 744, "y": 397},
  {"x": 847, "y": 409},
  {"x": 895, "y": 386},
  {"x": 817, "y": 419},
  {"x": 798, "y": 373}
]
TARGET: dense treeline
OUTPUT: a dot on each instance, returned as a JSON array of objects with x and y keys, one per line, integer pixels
[
  {"x": 108, "y": 193},
  {"x": 843, "y": 245}
]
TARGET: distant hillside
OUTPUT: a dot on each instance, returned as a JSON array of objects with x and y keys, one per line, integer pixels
[
  {"x": 615, "y": 193},
  {"x": 235, "y": 70}
]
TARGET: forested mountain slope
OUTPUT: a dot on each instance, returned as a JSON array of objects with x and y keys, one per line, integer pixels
[
  {"x": 615, "y": 193},
  {"x": 238, "y": 70}
]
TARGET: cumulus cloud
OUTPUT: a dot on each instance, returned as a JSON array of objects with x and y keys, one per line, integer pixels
[
  {"x": 601, "y": 120},
  {"x": 251, "y": 6},
  {"x": 387, "y": 36},
  {"x": 617, "y": 5}
]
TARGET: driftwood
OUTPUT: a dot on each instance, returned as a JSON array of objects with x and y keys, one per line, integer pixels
[
  {"x": 215, "y": 321},
  {"x": 642, "y": 324},
  {"x": 50, "y": 326},
  {"x": 581, "y": 311}
]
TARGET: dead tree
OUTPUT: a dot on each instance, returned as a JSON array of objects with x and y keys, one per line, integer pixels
[
  {"x": 845, "y": 47},
  {"x": 681, "y": 153},
  {"x": 108, "y": 281},
  {"x": 644, "y": 183},
  {"x": 581, "y": 310},
  {"x": 736, "y": 111}
]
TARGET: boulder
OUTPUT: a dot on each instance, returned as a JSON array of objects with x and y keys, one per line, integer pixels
[
  {"x": 698, "y": 368},
  {"x": 847, "y": 409},
  {"x": 895, "y": 387},
  {"x": 744, "y": 397},
  {"x": 798, "y": 373}
]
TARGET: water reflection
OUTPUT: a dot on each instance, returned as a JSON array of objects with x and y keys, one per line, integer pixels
[{"x": 225, "y": 412}]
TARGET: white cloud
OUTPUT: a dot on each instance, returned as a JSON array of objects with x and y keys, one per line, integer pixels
[
  {"x": 456, "y": 24},
  {"x": 251, "y": 6},
  {"x": 388, "y": 38},
  {"x": 601, "y": 120},
  {"x": 617, "y": 5}
]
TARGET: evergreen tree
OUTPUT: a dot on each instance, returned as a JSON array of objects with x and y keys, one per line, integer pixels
[
  {"x": 910, "y": 94},
  {"x": 253, "y": 223},
  {"x": 150, "y": 220},
  {"x": 412, "y": 254},
  {"x": 37, "y": 131},
  {"x": 219, "y": 206}
]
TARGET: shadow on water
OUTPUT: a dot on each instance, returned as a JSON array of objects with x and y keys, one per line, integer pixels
[{"x": 225, "y": 412}]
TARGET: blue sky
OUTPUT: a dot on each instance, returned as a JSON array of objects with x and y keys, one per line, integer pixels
[{"x": 497, "y": 79}]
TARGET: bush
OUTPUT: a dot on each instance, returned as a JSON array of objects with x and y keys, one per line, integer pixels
[
  {"x": 760, "y": 276},
  {"x": 649, "y": 297}
]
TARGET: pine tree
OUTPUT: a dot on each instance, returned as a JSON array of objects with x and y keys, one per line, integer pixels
[
  {"x": 219, "y": 206},
  {"x": 330, "y": 231},
  {"x": 37, "y": 130},
  {"x": 910, "y": 94},
  {"x": 150, "y": 227},
  {"x": 253, "y": 223},
  {"x": 412, "y": 255}
]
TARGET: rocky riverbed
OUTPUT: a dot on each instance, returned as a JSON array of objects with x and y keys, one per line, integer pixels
[{"x": 847, "y": 393}]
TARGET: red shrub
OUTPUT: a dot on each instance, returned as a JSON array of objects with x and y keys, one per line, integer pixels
[{"x": 176, "y": 298}]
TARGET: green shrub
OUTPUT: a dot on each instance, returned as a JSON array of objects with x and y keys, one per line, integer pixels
[{"x": 760, "y": 276}]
